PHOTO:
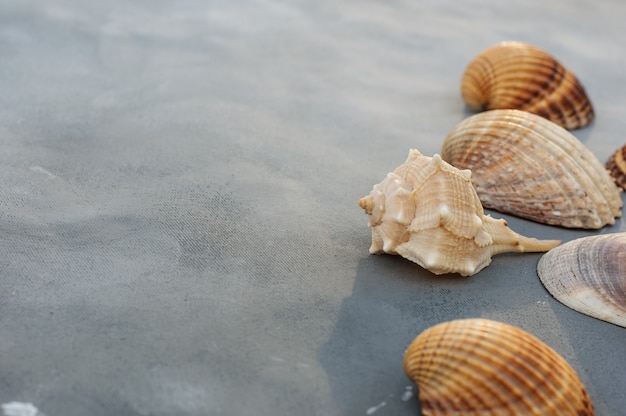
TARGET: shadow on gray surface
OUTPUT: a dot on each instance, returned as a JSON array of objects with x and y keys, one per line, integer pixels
[{"x": 393, "y": 300}]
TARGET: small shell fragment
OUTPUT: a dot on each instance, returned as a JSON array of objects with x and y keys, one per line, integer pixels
[
  {"x": 525, "y": 77},
  {"x": 527, "y": 166},
  {"x": 428, "y": 212},
  {"x": 589, "y": 275},
  {"x": 616, "y": 166},
  {"x": 475, "y": 367}
]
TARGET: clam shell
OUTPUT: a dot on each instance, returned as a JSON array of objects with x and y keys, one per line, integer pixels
[
  {"x": 428, "y": 212},
  {"x": 527, "y": 166},
  {"x": 616, "y": 166},
  {"x": 521, "y": 76},
  {"x": 474, "y": 367},
  {"x": 589, "y": 275}
]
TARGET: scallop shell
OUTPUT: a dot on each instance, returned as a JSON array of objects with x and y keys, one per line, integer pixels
[
  {"x": 521, "y": 76},
  {"x": 617, "y": 167},
  {"x": 589, "y": 275},
  {"x": 428, "y": 212},
  {"x": 474, "y": 367},
  {"x": 527, "y": 166}
]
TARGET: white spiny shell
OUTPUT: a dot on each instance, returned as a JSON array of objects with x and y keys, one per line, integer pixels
[
  {"x": 527, "y": 166},
  {"x": 478, "y": 367},
  {"x": 589, "y": 275},
  {"x": 428, "y": 212}
]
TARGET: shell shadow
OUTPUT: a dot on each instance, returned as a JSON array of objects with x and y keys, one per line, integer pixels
[{"x": 393, "y": 300}]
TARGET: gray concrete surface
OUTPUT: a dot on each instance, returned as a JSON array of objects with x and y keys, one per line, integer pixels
[{"x": 179, "y": 228}]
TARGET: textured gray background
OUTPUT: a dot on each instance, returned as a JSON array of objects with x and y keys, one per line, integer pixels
[{"x": 179, "y": 228}]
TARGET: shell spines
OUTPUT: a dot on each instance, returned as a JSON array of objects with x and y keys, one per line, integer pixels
[{"x": 428, "y": 212}]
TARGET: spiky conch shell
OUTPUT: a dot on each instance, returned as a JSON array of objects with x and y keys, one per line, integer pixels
[
  {"x": 475, "y": 367},
  {"x": 527, "y": 166},
  {"x": 616, "y": 165},
  {"x": 525, "y": 77},
  {"x": 428, "y": 212},
  {"x": 588, "y": 274}
]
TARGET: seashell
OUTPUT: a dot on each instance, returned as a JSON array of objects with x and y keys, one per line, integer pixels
[
  {"x": 589, "y": 275},
  {"x": 474, "y": 367},
  {"x": 524, "y": 77},
  {"x": 527, "y": 166},
  {"x": 616, "y": 166},
  {"x": 428, "y": 212}
]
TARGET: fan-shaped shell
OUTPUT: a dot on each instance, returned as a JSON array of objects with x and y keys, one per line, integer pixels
[
  {"x": 527, "y": 166},
  {"x": 616, "y": 166},
  {"x": 475, "y": 367},
  {"x": 589, "y": 275},
  {"x": 521, "y": 76},
  {"x": 428, "y": 212}
]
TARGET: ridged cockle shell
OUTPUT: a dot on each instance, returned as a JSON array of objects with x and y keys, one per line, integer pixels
[
  {"x": 527, "y": 166},
  {"x": 521, "y": 76},
  {"x": 475, "y": 367},
  {"x": 589, "y": 275},
  {"x": 428, "y": 212},
  {"x": 616, "y": 166}
]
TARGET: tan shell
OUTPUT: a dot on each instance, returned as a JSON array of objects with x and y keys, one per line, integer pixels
[
  {"x": 527, "y": 166},
  {"x": 521, "y": 76},
  {"x": 428, "y": 212},
  {"x": 475, "y": 367},
  {"x": 617, "y": 167},
  {"x": 589, "y": 275}
]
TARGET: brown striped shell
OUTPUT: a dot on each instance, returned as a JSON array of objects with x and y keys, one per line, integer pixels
[
  {"x": 428, "y": 212},
  {"x": 616, "y": 166},
  {"x": 589, "y": 275},
  {"x": 475, "y": 367},
  {"x": 521, "y": 76},
  {"x": 527, "y": 166}
]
